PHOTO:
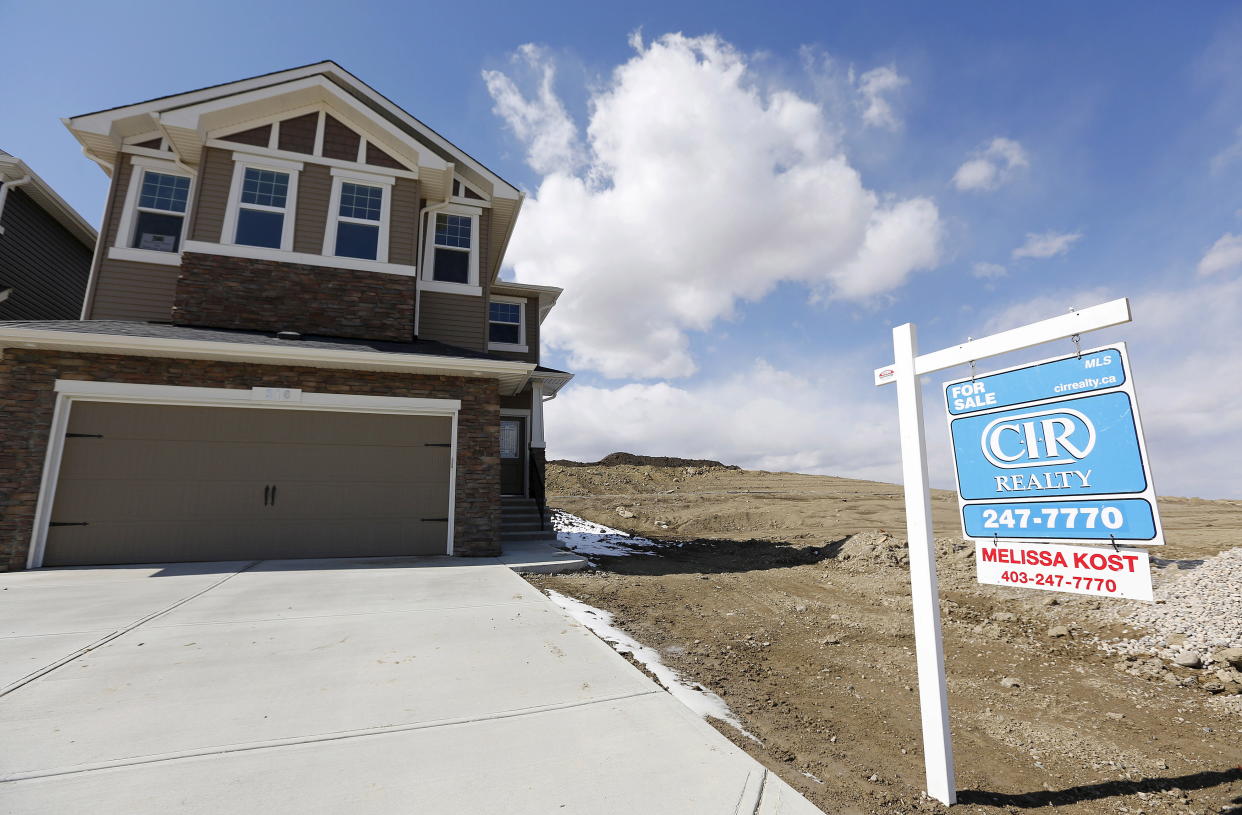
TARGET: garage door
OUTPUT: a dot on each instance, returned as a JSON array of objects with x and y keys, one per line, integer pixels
[{"x": 151, "y": 483}]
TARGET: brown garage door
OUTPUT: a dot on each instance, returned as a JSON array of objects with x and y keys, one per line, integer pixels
[{"x": 151, "y": 483}]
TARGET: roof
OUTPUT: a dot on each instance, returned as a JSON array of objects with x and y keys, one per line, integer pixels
[
  {"x": 14, "y": 169},
  {"x": 266, "y": 348},
  {"x": 120, "y": 328}
]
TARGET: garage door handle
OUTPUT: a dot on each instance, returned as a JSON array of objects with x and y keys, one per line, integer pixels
[
  {"x": 438, "y": 444},
  {"x": 273, "y": 495},
  {"x": 267, "y": 494},
  {"x": 83, "y": 435}
]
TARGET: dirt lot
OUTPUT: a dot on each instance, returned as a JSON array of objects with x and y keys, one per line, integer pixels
[{"x": 789, "y": 597}]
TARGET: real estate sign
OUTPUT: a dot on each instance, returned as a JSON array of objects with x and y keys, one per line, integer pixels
[{"x": 1053, "y": 451}]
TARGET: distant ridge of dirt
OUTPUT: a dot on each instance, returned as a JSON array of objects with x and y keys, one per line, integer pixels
[{"x": 633, "y": 460}]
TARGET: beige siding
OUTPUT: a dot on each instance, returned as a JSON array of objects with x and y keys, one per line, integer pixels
[
  {"x": 314, "y": 194},
  {"x": 134, "y": 291},
  {"x": 519, "y": 402},
  {"x": 403, "y": 223},
  {"x": 456, "y": 319},
  {"x": 215, "y": 175}
]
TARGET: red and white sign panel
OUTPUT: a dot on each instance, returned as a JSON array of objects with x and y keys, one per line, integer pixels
[{"x": 1094, "y": 570}]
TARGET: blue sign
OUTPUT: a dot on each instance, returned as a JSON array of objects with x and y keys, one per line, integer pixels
[
  {"x": 1070, "y": 376},
  {"x": 1128, "y": 519},
  {"x": 1083, "y": 446},
  {"x": 1053, "y": 451}
]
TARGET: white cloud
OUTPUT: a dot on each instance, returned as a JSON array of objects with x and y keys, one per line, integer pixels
[
  {"x": 988, "y": 271},
  {"x": 992, "y": 166},
  {"x": 1229, "y": 155},
  {"x": 1224, "y": 255},
  {"x": 875, "y": 86},
  {"x": 542, "y": 122},
  {"x": 700, "y": 190},
  {"x": 760, "y": 418},
  {"x": 1184, "y": 345},
  {"x": 1046, "y": 245}
]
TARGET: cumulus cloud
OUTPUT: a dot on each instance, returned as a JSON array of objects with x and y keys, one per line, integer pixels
[
  {"x": 1046, "y": 245},
  {"x": 875, "y": 87},
  {"x": 760, "y": 418},
  {"x": 541, "y": 122},
  {"x": 702, "y": 186},
  {"x": 988, "y": 271},
  {"x": 1183, "y": 342},
  {"x": 1224, "y": 255},
  {"x": 991, "y": 167}
]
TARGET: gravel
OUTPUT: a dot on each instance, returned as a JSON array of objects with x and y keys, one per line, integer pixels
[{"x": 1203, "y": 604}]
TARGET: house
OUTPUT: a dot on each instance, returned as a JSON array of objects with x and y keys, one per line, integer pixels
[
  {"x": 45, "y": 248},
  {"x": 295, "y": 342}
]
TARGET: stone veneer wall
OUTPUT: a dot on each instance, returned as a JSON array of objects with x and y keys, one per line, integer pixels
[
  {"x": 27, "y": 397},
  {"x": 217, "y": 291}
]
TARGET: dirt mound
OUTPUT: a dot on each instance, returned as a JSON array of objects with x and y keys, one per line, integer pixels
[{"x": 634, "y": 460}]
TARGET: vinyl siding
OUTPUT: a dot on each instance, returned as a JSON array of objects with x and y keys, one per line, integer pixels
[
  {"x": 314, "y": 195},
  {"x": 215, "y": 175},
  {"x": 456, "y": 319},
  {"x": 403, "y": 223},
  {"x": 135, "y": 291},
  {"x": 44, "y": 264}
]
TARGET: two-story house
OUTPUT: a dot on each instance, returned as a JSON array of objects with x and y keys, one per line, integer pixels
[
  {"x": 45, "y": 248},
  {"x": 295, "y": 341}
]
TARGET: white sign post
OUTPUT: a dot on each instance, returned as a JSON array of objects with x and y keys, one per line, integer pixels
[{"x": 906, "y": 369}]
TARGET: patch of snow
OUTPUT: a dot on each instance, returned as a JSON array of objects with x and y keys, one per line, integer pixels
[
  {"x": 692, "y": 695},
  {"x": 586, "y": 538},
  {"x": 812, "y": 777}
]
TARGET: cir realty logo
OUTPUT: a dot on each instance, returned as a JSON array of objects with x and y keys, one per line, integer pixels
[{"x": 1037, "y": 439}]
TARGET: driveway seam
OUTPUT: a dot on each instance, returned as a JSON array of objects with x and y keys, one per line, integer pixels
[
  {"x": 349, "y": 614},
  {"x": 294, "y": 741},
  {"x": 47, "y": 669}
]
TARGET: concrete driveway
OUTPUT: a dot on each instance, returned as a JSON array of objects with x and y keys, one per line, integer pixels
[{"x": 422, "y": 685}]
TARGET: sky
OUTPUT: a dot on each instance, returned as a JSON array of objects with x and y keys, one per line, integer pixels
[{"x": 742, "y": 200}]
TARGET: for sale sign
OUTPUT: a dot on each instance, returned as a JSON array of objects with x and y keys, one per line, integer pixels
[
  {"x": 1053, "y": 451},
  {"x": 1094, "y": 570}
]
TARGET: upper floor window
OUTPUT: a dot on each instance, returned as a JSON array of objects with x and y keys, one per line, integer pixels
[
  {"x": 262, "y": 203},
  {"x": 265, "y": 203},
  {"x": 358, "y": 227},
  {"x": 451, "y": 255},
  {"x": 159, "y": 217},
  {"x": 506, "y": 323}
]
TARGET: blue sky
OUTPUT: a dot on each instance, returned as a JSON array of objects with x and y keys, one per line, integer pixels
[{"x": 932, "y": 143}]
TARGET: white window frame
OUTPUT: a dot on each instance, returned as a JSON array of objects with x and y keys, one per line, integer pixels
[
  {"x": 520, "y": 347},
  {"x": 121, "y": 250},
  {"x": 243, "y": 162},
  {"x": 427, "y": 281},
  {"x": 342, "y": 176}
]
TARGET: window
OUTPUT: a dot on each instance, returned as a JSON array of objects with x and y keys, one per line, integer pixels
[
  {"x": 160, "y": 212},
  {"x": 359, "y": 228},
  {"x": 453, "y": 246},
  {"x": 263, "y": 208},
  {"x": 505, "y": 323}
]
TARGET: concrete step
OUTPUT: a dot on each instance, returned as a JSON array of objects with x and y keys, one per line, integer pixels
[
  {"x": 528, "y": 535},
  {"x": 519, "y": 517},
  {"x": 525, "y": 526}
]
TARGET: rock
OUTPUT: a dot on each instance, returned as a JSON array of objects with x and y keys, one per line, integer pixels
[
  {"x": 1058, "y": 631},
  {"x": 1115, "y": 716},
  {"x": 874, "y": 778},
  {"x": 1011, "y": 682},
  {"x": 1229, "y": 656},
  {"x": 1052, "y": 601},
  {"x": 1004, "y": 616},
  {"x": 1188, "y": 659},
  {"x": 624, "y": 513},
  {"x": 1228, "y": 675},
  {"x": 832, "y": 639}
]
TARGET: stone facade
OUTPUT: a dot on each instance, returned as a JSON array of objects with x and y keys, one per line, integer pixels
[
  {"x": 216, "y": 291},
  {"x": 27, "y": 399}
]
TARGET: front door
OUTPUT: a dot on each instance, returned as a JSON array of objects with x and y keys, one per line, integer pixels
[{"x": 513, "y": 456}]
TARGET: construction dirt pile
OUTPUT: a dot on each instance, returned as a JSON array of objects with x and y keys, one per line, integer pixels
[{"x": 788, "y": 595}]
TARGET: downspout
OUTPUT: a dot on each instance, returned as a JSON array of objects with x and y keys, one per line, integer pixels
[
  {"x": 424, "y": 227},
  {"x": 4, "y": 193}
]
